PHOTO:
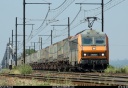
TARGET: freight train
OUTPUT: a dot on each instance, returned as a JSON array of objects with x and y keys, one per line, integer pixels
[{"x": 88, "y": 50}]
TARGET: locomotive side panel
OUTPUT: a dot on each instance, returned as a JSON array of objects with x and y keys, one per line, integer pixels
[{"x": 107, "y": 53}]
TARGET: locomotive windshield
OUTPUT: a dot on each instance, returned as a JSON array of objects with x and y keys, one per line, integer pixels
[
  {"x": 99, "y": 40},
  {"x": 93, "y": 40},
  {"x": 87, "y": 41}
]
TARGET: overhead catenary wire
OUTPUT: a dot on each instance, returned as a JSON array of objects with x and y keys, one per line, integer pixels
[
  {"x": 109, "y": 7},
  {"x": 82, "y": 22},
  {"x": 40, "y": 27},
  {"x": 44, "y": 20},
  {"x": 45, "y": 1},
  {"x": 42, "y": 24},
  {"x": 60, "y": 5},
  {"x": 63, "y": 9}
]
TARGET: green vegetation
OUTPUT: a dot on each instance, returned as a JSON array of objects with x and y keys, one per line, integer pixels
[
  {"x": 125, "y": 69},
  {"x": 25, "y": 69},
  {"x": 28, "y": 52},
  {"x": 15, "y": 81},
  {"x": 111, "y": 69}
]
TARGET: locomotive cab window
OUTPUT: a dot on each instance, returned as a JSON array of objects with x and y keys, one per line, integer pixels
[
  {"x": 87, "y": 40},
  {"x": 99, "y": 40}
]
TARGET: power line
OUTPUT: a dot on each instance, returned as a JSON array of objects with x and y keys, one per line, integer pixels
[
  {"x": 120, "y": 1},
  {"x": 59, "y": 6},
  {"x": 110, "y": 1},
  {"x": 46, "y": 17}
]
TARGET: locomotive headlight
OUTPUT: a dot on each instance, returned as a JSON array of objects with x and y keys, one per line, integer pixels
[
  {"x": 85, "y": 54},
  {"x": 102, "y": 54},
  {"x": 93, "y": 48}
]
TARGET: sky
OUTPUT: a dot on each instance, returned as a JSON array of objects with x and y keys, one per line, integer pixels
[{"x": 45, "y": 16}]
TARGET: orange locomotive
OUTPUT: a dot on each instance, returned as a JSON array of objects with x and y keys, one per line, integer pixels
[{"x": 92, "y": 50}]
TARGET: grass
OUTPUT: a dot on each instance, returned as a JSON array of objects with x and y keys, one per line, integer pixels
[
  {"x": 23, "y": 69},
  {"x": 26, "y": 69},
  {"x": 15, "y": 81},
  {"x": 10, "y": 81}
]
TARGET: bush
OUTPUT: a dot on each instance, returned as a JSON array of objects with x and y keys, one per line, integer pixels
[
  {"x": 119, "y": 70},
  {"x": 25, "y": 69},
  {"x": 124, "y": 69},
  {"x": 110, "y": 69}
]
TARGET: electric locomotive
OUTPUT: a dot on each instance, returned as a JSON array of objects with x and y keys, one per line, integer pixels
[{"x": 91, "y": 49}]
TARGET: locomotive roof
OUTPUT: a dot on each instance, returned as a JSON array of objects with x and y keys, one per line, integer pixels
[{"x": 89, "y": 31}]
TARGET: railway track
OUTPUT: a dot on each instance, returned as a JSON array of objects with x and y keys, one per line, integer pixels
[{"x": 79, "y": 79}]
